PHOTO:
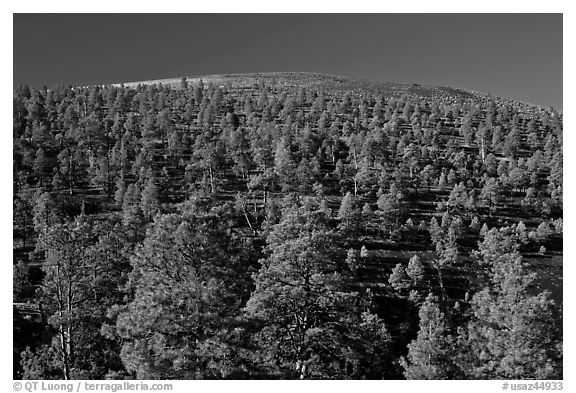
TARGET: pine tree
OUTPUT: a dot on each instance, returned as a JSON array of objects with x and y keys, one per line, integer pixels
[
  {"x": 149, "y": 199},
  {"x": 303, "y": 303},
  {"x": 22, "y": 220},
  {"x": 390, "y": 204},
  {"x": 399, "y": 279},
  {"x": 364, "y": 253},
  {"x": 45, "y": 214},
  {"x": 367, "y": 217},
  {"x": 66, "y": 286},
  {"x": 521, "y": 233},
  {"x": 426, "y": 175},
  {"x": 132, "y": 215},
  {"x": 40, "y": 165},
  {"x": 284, "y": 167},
  {"x": 543, "y": 231},
  {"x": 349, "y": 216},
  {"x": 20, "y": 279},
  {"x": 415, "y": 269},
  {"x": 475, "y": 224},
  {"x": 120, "y": 191},
  {"x": 431, "y": 355},
  {"x": 458, "y": 198},
  {"x": 83, "y": 274},
  {"x": 188, "y": 285},
  {"x": 352, "y": 261},
  {"x": 490, "y": 193},
  {"x": 512, "y": 334}
]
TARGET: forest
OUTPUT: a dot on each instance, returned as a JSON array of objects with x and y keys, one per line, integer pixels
[{"x": 285, "y": 226}]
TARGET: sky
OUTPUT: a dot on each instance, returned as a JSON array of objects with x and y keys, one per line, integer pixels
[{"x": 516, "y": 56}]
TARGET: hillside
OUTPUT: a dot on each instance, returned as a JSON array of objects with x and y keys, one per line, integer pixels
[
  {"x": 337, "y": 83},
  {"x": 285, "y": 225}
]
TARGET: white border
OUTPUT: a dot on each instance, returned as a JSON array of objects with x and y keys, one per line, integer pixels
[{"x": 239, "y": 6}]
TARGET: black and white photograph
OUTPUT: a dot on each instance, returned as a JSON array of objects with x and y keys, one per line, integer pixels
[{"x": 287, "y": 196}]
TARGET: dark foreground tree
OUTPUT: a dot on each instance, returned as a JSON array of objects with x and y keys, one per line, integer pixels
[
  {"x": 313, "y": 325},
  {"x": 188, "y": 284},
  {"x": 513, "y": 334},
  {"x": 431, "y": 355},
  {"x": 83, "y": 276}
]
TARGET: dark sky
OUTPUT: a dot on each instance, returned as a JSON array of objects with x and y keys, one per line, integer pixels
[{"x": 511, "y": 55}]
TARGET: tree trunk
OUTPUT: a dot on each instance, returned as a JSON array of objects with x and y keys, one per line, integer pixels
[
  {"x": 65, "y": 357},
  {"x": 62, "y": 331},
  {"x": 211, "y": 179},
  {"x": 70, "y": 173},
  {"x": 441, "y": 282},
  {"x": 250, "y": 224},
  {"x": 301, "y": 369},
  {"x": 108, "y": 178},
  {"x": 69, "y": 347},
  {"x": 24, "y": 236}
]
